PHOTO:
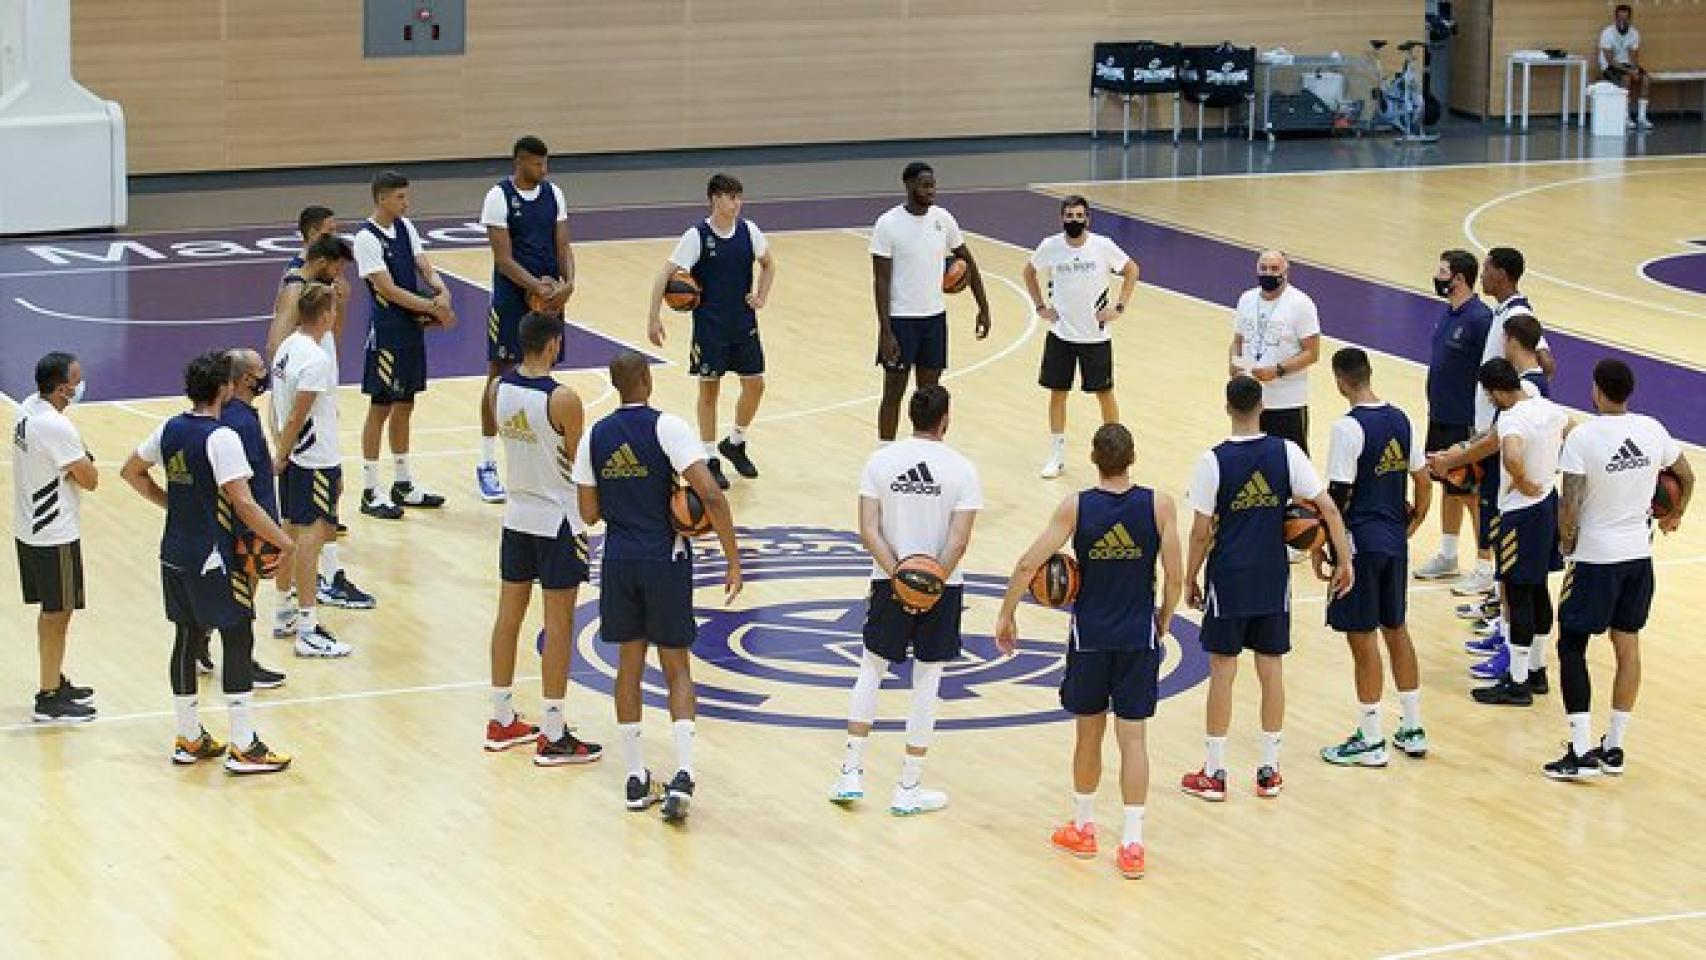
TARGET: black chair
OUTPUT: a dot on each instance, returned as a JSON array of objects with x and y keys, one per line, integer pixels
[
  {"x": 1220, "y": 77},
  {"x": 1133, "y": 71},
  {"x": 1155, "y": 71}
]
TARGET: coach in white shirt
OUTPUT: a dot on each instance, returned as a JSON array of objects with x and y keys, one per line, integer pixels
[
  {"x": 1078, "y": 264},
  {"x": 1620, "y": 60},
  {"x": 1276, "y": 338},
  {"x": 50, "y": 468}
]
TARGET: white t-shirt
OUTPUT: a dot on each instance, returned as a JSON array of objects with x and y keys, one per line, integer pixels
[
  {"x": 1516, "y": 305},
  {"x": 302, "y": 366},
  {"x": 1274, "y": 331},
  {"x": 679, "y": 442},
  {"x": 370, "y": 253},
  {"x": 687, "y": 250},
  {"x": 45, "y": 501},
  {"x": 1540, "y": 423},
  {"x": 1077, "y": 279},
  {"x": 1619, "y": 457},
  {"x": 919, "y": 248},
  {"x": 494, "y": 211},
  {"x": 919, "y": 485},
  {"x": 1205, "y": 478},
  {"x": 1344, "y": 448},
  {"x": 224, "y": 454},
  {"x": 1619, "y": 44}
]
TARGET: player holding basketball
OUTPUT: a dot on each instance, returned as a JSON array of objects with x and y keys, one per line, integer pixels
[
  {"x": 527, "y": 226},
  {"x": 1118, "y": 531},
  {"x": 1078, "y": 264},
  {"x": 719, "y": 251},
  {"x": 1239, "y": 491},
  {"x": 909, "y": 246},
  {"x": 544, "y": 541},
  {"x": 408, "y": 296},
  {"x": 918, "y": 496},
  {"x": 1373, "y": 451},
  {"x": 627, "y": 467},
  {"x": 1611, "y": 464}
]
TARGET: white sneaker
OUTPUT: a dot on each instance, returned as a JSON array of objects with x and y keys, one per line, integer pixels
[
  {"x": 911, "y": 801},
  {"x": 1438, "y": 568},
  {"x": 284, "y": 625},
  {"x": 1053, "y": 467},
  {"x": 849, "y": 787},
  {"x": 321, "y": 644},
  {"x": 1475, "y": 583}
]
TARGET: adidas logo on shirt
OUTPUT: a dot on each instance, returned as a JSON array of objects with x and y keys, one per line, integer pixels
[
  {"x": 1256, "y": 494},
  {"x": 517, "y": 428},
  {"x": 917, "y": 480},
  {"x": 1392, "y": 459},
  {"x": 178, "y": 470},
  {"x": 1628, "y": 457},
  {"x": 1116, "y": 544},
  {"x": 623, "y": 465}
]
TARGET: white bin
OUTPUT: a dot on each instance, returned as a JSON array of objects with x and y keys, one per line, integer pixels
[{"x": 1610, "y": 107}]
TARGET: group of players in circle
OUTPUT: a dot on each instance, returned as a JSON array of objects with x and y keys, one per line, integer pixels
[{"x": 655, "y": 485}]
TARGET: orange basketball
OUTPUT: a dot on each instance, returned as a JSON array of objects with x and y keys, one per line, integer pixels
[
  {"x": 1056, "y": 581},
  {"x": 1303, "y": 527},
  {"x": 956, "y": 273},
  {"x": 536, "y": 303},
  {"x": 255, "y": 557},
  {"x": 918, "y": 583},
  {"x": 681, "y": 292},
  {"x": 1467, "y": 477},
  {"x": 687, "y": 512},
  {"x": 1666, "y": 494}
]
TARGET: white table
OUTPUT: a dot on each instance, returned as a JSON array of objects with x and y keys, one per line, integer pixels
[
  {"x": 1568, "y": 64},
  {"x": 1682, "y": 76}
]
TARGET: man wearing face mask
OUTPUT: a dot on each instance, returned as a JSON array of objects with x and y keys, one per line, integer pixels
[
  {"x": 50, "y": 469},
  {"x": 1276, "y": 337},
  {"x": 1078, "y": 264},
  {"x": 1459, "y": 337},
  {"x": 1620, "y": 61}
]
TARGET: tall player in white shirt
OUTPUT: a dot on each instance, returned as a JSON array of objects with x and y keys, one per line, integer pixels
[
  {"x": 50, "y": 469},
  {"x": 1078, "y": 264},
  {"x": 1276, "y": 338},
  {"x": 1611, "y": 465},
  {"x": 917, "y": 496}
]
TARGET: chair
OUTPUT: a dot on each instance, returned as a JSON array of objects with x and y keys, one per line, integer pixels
[
  {"x": 1110, "y": 75},
  {"x": 1133, "y": 71},
  {"x": 1220, "y": 77},
  {"x": 1155, "y": 70}
]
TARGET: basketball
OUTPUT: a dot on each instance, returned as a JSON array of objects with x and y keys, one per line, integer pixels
[
  {"x": 1666, "y": 494},
  {"x": 955, "y": 275},
  {"x": 1467, "y": 477},
  {"x": 918, "y": 583},
  {"x": 1056, "y": 582},
  {"x": 536, "y": 303},
  {"x": 687, "y": 512},
  {"x": 1303, "y": 527},
  {"x": 256, "y": 557},
  {"x": 681, "y": 293}
]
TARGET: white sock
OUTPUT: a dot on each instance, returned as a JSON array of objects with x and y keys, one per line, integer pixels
[
  {"x": 1448, "y": 546},
  {"x": 242, "y": 725},
  {"x": 1410, "y": 705},
  {"x": 1216, "y": 761},
  {"x": 853, "y": 761},
  {"x": 1083, "y": 809},
  {"x": 737, "y": 434},
  {"x": 1369, "y": 722},
  {"x": 503, "y": 705},
  {"x": 1057, "y": 442},
  {"x": 629, "y": 734},
  {"x": 1519, "y": 663},
  {"x": 911, "y": 771},
  {"x": 1614, "y": 733},
  {"x": 329, "y": 563},
  {"x": 1537, "y": 654},
  {"x": 370, "y": 475},
  {"x": 1581, "y": 733},
  {"x": 489, "y": 450},
  {"x": 400, "y": 468},
  {"x": 710, "y": 449},
  {"x": 552, "y": 724},
  {"x": 1271, "y": 748},
  {"x": 1133, "y": 832},
  {"x": 286, "y": 613},
  {"x": 189, "y": 724},
  {"x": 683, "y": 730},
  {"x": 306, "y": 620}
]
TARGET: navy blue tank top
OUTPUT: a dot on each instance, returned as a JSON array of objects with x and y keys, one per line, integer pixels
[
  {"x": 532, "y": 228},
  {"x": 1248, "y": 571},
  {"x": 635, "y": 480},
  {"x": 244, "y": 419},
  {"x": 724, "y": 272},
  {"x": 199, "y": 520},
  {"x": 1117, "y": 544},
  {"x": 394, "y": 327},
  {"x": 1378, "y": 516}
]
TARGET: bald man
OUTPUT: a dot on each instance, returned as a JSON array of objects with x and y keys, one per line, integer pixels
[{"x": 1276, "y": 338}]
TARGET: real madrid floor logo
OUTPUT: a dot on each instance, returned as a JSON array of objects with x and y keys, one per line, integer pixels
[{"x": 787, "y": 653}]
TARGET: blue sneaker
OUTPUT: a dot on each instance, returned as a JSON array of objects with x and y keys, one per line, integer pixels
[
  {"x": 490, "y": 486},
  {"x": 1494, "y": 667},
  {"x": 340, "y": 592},
  {"x": 1485, "y": 646}
]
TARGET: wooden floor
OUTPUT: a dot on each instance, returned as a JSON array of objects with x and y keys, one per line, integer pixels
[{"x": 394, "y": 835}]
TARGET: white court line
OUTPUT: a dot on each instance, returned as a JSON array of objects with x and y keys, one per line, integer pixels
[
  {"x": 129, "y": 322},
  {"x": 1411, "y": 168},
  {"x": 1688, "y": 247},
  {"x": 1544, "y": 934}
]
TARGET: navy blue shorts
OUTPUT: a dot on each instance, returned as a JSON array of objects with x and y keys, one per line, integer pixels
[
  {"x": 1606, "y": 596},
  {"x": 503, "y": 323},
  {"x": 1487, "y": 518},
  {"x": 311, "y": 495},
  {"x": 647, "y": 600},
  {"x": 555, "y": 563},
  {"x": 923, "y": 343},
  {"x": 1123, "y": 681},
  {"x": 1377, "y": 599},
  {"x": 893, "y": 634},
  {"x": 216, "y": 600},
  {"x": 1266, "y": 633},
  {"x": 715, "y": 354},
  {"x": 1526, "y": 551},
  {"x": 393, "y": 376}
]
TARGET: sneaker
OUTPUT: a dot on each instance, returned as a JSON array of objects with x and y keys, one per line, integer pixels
[
  {"x": 1488, "y": 627},
  {"x": 487, "y": 484},
  {"x": 565, "y": 750},
  {"x": 1437, "y": 568},
  {"x": 679, "y": 797},
  {"x": 204, "y": 747},
  {"x": 1269, "y": 782},
  {"x": 735, "y": 454},
  {"x": 320, "y": 643},
  {"x": 1609, "y": 759},
  {"x": 1505, "y": 693},
  {"x": 502, "y": 736},
  {"x": 1356, "y": 752},
  {"x": 52, "y": 707},
  {"x": 266, "y": 679},
  {"x": 1206, "y": 786},
  {"x": 409, "y": 495},
  {"x": 73, "y": 692},
  {"x": 379, "y": 509},
  {"x": 1476, "y": 583},
  {"x": 1494, "y": 667},
  {"x": 1478, "y": 610},
  {"x": 258, "y": 758},
  {"x": 849, "y": 787},
  {"x": 341, "y": 592},
  {"x": 1484, "y": 646},
  {"x": 1076, "y": 840},
  {"x": 284, "y": 624},
  {"x": 914, "y": 800},
  {"x": 1053, "y": 467},
  {"x": 716, "y": 467},
  {"x": 1537, "y": 683},
  {"x": 643, "y": 793},
  {"x": 1571, "y": 767},
  {"x": 1412, "y": 741},
  {"x": 1129, "y": 861}
]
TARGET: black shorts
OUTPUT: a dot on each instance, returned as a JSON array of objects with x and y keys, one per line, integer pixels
[
  {"x": 1378, "y": 599},
  {"x": 714, "y": 355},
  {"x": 1290, "y": 423},
  {"x": 923, "y": 343},
  {"x": 1526, "y": 551},
  {"x": 1123, "y": 681},
  {"x": 1616, "y": 72},
  {"x": 216, "y": 600},
  {"x": 893, "y": 634},
  {"x": 555, "y": 563},
  {"x": 1266, "y": 633},
  {"x": 1606, "y": 596},
  {"x": 393, "y": 376},
  {"x": 310, "y": 495},
  {"x": 52, "y": 576},
  {"x": 647, "y": 600},
  {"x": 1443, "y": 436},
  {"x": 1094, "y": 363}
]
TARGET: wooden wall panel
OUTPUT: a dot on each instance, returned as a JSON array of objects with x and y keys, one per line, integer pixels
[
  {"x": 1673, "y": 36},
  {"x": 1471, "y": 56}
]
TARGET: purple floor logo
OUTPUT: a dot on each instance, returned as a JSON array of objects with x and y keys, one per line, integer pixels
[
  {"x": 788, "y": 654},
  {"x": 1684, "y": 271}
]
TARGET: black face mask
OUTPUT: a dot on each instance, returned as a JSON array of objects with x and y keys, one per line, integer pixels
[
  {"x": 1442, "y": 287},
  {"x": 1269, "y": 281},
  {"x": 1074, "y": 228},
  {"x": 263, "y": 384}
]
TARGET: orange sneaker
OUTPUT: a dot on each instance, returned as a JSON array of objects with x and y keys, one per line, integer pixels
[
  {"x": 501, "y": 736},
  {"x": 204, "y": 747},
  {"x": 1269, "y": 782},
  {"x": 1076, "y": 840},
  {"x": 1129, "y": 861}
]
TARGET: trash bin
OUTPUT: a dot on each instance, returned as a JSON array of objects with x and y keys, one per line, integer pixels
[{"x": 1610, "y": 106}]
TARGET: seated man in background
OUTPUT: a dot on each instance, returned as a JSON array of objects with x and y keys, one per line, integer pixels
[{"x": 1620, "y": 62}]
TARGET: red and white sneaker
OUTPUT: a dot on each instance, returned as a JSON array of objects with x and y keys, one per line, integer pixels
[
  {"x": 1076, "y": 840},
  {"x": 1268, "y": 782},
  {"x": 1129, "y": 861},
  {"x": 1205, "y": 786},
  {"x": 501, "y": 736}
]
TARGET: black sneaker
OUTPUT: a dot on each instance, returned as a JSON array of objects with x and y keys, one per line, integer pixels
[
  {"x": 679, "y": 797},
  {"x": 735, "y": 453},
  {"x": 341, "y": 592},
  {"x": 643, "y": 793},
  {"x": 1609, "y": 759},
  {"x": 73, "y": 692},
  {"x": 408, "y": 495},
  {"x": 1537, "y": 684},
  {"x": 568, "y": 749},
  {"x": 266, "y": 679},
  {"x": 1571, "y": 767},
  {"x": 51, "y": 707},
  {"x": 716, "y": 467},
  {"x": 1505, "y": 693},
  {"x": 374, "y": 507}
]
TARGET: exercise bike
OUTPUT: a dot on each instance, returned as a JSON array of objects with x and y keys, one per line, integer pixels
[{"x": 1403, "y": 102}]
